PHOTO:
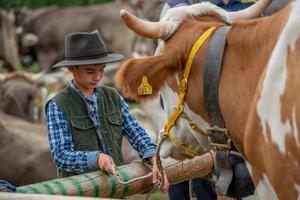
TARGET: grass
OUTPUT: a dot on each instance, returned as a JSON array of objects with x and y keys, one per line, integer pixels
[
  {"x": 156, "y": 195},
  {"x": 35, "y": 68}
]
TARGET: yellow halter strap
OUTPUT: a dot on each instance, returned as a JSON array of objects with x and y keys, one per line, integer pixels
[{"x": 183, "y": 87}]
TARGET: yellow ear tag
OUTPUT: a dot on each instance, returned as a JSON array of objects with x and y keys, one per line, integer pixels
[{"x": 145, "y": 88}]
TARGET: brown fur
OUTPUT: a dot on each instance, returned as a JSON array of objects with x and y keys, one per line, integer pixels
[
  {"x": 282, "y": 170},
  {"x": 129, "y": 77},
  {"x": 25, "y": 154},
  {"x": 18, "y": 93}
]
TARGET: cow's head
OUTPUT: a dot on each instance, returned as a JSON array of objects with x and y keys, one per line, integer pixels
[{"x": 179, "y": 29}]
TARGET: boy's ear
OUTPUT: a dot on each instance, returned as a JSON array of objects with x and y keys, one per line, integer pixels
[{"x": 71, "y": 68}]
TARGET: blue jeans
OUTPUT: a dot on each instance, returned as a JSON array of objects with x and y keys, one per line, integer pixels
[{"x": 203, "y": 190}]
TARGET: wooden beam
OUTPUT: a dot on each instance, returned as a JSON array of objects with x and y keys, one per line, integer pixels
[
  {"x": 101, "y": 184},
  {"x": 13, "y": 196}
]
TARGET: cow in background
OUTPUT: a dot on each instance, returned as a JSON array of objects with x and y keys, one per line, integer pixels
[
  {"x": 27, "y": 40},
  {"x": 150, "y": 10},
  {"x": 21, "y": 97},
  {"x": 8, "y": 43},
  {"x": 24, "y": 154},
  {"x": 44, "y": 31},
  {"x": 258, "y": 94}
]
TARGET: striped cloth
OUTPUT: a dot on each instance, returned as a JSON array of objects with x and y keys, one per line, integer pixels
[{"x": 6, "y": 186}]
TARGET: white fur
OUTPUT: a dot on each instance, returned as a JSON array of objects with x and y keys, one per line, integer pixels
[
  {"x": 175, "y": 16},
  {"x": 274, "y": 85},
  {"x": 295, "y": 131},
  {"x": 265, "y": 190},
  {"x": 249, "y": 167},
  {"x": 182, "y": 130}
]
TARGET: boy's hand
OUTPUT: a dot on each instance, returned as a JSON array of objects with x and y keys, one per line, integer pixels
[
  {"x": 157, "y": 175},
  {"x": 106, "y": 163}
]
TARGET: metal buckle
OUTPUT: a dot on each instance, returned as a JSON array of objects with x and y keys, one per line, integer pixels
[
  {"x": 218, "y": 146},
  {"x": 163, "y": 133},
  {"x": 183, "y": 85}
]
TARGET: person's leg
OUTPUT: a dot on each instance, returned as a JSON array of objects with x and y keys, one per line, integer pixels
[
  {"x": 204, "y": 189},
  {"x": 179, "y": 191}
]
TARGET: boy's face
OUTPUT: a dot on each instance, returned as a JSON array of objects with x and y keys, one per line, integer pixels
[{"x": 87, "y": 77}]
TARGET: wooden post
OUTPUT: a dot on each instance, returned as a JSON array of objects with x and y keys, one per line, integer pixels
[{"x": 101, "y": 184}]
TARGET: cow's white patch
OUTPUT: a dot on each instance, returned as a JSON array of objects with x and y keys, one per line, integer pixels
[
  {"x": 249, "y": 167},
  {"x": 274, "y": 84},
  {"x": 265, "y": 190},
  {"x": 175, "y": 16},
  {"x": 295, "y": 128},
  {"x": 182, "y": 130}
]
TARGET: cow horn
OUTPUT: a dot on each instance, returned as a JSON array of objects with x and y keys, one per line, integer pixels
[
  {"x": 154, "y": 30},
  {"x": 29, "y": 40},
  {"x": 253, "y": 11}
]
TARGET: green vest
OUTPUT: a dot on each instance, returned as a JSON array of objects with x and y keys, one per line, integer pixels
[{"x": 85, "y": 137}]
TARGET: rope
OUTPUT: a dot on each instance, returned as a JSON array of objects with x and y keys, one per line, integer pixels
[
  {"x": 117, "y": 175},
  {"x": 161, "y": 139},
  {"x": 154, "y": 186}
]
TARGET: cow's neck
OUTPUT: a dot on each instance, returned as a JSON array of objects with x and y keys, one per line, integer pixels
[{"x": 249, "y": 47}]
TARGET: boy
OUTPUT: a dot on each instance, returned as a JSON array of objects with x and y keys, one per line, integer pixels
[{"x": 85, "y": 121}]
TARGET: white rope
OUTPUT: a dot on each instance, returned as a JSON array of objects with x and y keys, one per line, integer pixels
[
  {"x": 117, "y": 175},
  {"x": 155, "y": 185}
]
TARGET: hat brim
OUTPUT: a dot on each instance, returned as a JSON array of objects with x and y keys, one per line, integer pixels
[{"x": 107, "y": 59}]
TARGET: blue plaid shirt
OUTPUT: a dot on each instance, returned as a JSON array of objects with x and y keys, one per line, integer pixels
[{"x": 62, "y": 147}]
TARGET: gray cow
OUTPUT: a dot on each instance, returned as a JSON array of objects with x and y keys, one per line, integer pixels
[
  {"x": 24, "y": 154},
  {"x": 8, "y": 43},
  {"x": 20, "y": 97},
  {"x": 48, "y": 27}
]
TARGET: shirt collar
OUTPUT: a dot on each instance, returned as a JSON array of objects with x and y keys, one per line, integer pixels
[{"x": 92, "y": 97}]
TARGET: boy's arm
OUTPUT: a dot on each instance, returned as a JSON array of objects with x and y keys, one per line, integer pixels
[
  {"x": 141, "y": 141},
  {"x": 135, "y": 134},
  {"x": 61, "y": 145}
]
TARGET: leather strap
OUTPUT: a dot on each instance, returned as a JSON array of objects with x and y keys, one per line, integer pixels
[
  {"x": 212, "y": 73},
  {"x": 218, "y": 134}
]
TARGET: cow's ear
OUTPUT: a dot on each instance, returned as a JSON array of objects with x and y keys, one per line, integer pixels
[{"x": 154, "y": 70}]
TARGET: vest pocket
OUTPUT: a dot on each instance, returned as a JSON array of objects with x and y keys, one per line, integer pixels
[
  {"x": 115, "y": 121},
  {"x": 82, "y": 123},
  {"x": 84, "y": 134},
  {"x": 115, "y": 118}
]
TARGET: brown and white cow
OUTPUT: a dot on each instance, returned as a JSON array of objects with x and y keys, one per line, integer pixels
[{"x": 258, "y": 90}]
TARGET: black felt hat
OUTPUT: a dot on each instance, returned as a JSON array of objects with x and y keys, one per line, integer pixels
[{"x": 84, "y": 48}]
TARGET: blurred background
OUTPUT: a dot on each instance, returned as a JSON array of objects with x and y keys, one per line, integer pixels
[{"x": 32, "y": 36}]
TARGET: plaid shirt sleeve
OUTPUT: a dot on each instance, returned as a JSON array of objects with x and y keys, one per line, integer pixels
[
  {"x": 135, "y": 134},
  {"x": 61, "y": 145}
]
